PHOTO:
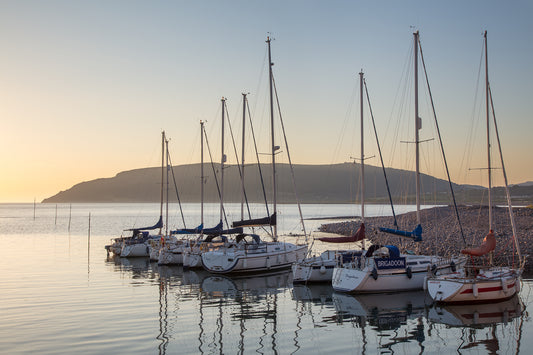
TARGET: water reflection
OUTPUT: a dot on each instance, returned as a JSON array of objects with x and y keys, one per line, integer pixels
[
  {"x": 204, "y": 313},
  {"x": 477, "y": 315}
]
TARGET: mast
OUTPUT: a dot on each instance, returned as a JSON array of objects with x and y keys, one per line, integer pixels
[
  {"x": 362, "y": 155},
  {"x": 242, "y": 154},
  {"x": 274, "y": 199},
  {"x": 222, "y": 161},
  {"x": 168, "y": 168},
  {"x": 488, "y": 129},
  {"x": 417, "y": 127},
  {"x": 162, "y": 177},
  {"x": 362, "y": 152},
  {"x": 202, "y": 173}
]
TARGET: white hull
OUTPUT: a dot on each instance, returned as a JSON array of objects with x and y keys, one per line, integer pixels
[
  {"x": 370, "y": 279},
  {"x": 154, "y": 253},
  {"x": 253, "y": 257},
  {"x": 491, "y": 285},
  {"x": 135, "y": 250},
  {"x": 192, "y": 259},
  {"x": 319, "y": 271},
  {"x": 317, "y": 268},
  {"x": 172, "y": 255}
]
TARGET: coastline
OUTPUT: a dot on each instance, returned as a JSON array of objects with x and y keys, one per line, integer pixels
[{"x": 441, "y": 233}]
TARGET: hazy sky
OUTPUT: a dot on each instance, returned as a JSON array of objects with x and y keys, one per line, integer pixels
[{"x": 87, "y": 86}]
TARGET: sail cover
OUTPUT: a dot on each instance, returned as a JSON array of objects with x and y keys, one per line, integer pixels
[
  {"x": 224, "y": 231},
  {"x": 265, "y": 221},
  {"x": 416, "y": 234},
  {"x": 357, "y": 236},
  {"x": 159, "y": 224},
  {"x": 488, "y": 245},
  {"x": 196, "y": 230}
]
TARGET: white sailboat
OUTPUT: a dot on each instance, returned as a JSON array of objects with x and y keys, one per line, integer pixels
[
  {"x": 477, "y": 283},
  {"x": 139, "y": 244},
  {"x": 250, "y": 253},
  {"x": 384, "y": 269},
  {"x": 209, "y": 238},
  {"x": 319, "y": 268}
]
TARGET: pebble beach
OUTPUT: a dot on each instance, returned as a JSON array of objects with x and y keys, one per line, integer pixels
[{"x": 442, "y": 233}]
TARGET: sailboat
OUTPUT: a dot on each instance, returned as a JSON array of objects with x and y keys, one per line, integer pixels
[
  {"x": 138, "y": 245},
  {"x": 478, "y": 283},
  {"x": 383, "y": 268},
  {"x": 188, "y": 249},
  {"x": 207, "y": 238},
  {"x": 320, "y": 268},
  {"x": 250, "y": 253}
]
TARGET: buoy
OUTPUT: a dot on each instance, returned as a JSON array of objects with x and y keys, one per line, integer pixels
[
  {"x": 434, "y": 269},
  {"x": 474, "y": 290},
  {"x": 409, "y": 272},
  {"x": 452, "y": 265},
  {"x": 322, "y": 269},
  {"x": 375, "y": 273}
]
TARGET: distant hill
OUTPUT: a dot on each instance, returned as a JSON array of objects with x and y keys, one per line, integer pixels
[{"x": 338, "y": 183}]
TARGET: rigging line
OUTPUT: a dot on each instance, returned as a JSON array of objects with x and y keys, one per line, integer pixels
[
  {"x": 380, "y": 156},
  {"x": 176, "y": 189},
  {"x": 399, "y": 100},
  {"x": 290, "y": 161},
  {"x": 237, "y": 158},
  {"x": 513, "y": 225},
  {"x": 215, "y": 175},
  {"x": 245, "y": 102},
  {"x": 259, "y": 165},
  {"x": 440, "y": 141},
  {"x": 344, "y": 128},
  {"x": 467, "y": 153}
]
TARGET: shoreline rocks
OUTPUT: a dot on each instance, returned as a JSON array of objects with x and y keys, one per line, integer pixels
[{"x": 442, "y": 235}]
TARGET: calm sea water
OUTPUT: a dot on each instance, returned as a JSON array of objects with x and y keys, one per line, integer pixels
[{"x": 61, "y": 294}]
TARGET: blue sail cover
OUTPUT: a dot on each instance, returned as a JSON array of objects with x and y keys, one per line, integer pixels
[
  {"x": 415, "y": 235},
  {"x": 159, "y": 224},
  {"x": 225, "y": 231},
  {"x": 214, "y": 230},
  {"x": 196, "y": 230},
  {"x": 256, "y": 222}
]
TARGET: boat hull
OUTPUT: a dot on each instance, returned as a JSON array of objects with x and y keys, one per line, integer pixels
[
  {"x": 263, "y": 258},
  {"x": 458, "y": 289},
  {"x": 319, "y": 268},
  {"x": 171, "y": 256},
  {"x": 135, "y": 250},
  {"x": 371, "y": 279},
  {"x": 192, "y": 260}
]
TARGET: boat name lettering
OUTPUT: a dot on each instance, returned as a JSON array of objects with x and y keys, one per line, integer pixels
[{"x": 390, "y": 263}]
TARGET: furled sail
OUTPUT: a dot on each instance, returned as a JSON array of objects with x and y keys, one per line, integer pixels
[
  {"x": 224, "y": 231},
  {"x": 214, "y": 230},
  {"x": 488, "y": 245},
  {"x": 357, "y": 236},
  {"x": 416, "y": 234},
  {"x": 196, "y": 230},
  {"x": 265, "y": 221},
  {"x": 159, "y": 224}
]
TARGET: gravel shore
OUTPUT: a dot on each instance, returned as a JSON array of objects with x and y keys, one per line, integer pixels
[{"x": 441, "y": 233}]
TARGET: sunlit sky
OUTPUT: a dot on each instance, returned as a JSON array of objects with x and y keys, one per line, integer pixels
[{"x": 86, "y": 87}]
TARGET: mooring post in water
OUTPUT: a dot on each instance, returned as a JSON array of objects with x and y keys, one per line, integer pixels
[
  {"x": 34, "y": 209},
  {"x": 55, "y": 220},
  {"x": 69, "y": 216},
  {"x": 88, "y": 242}
]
